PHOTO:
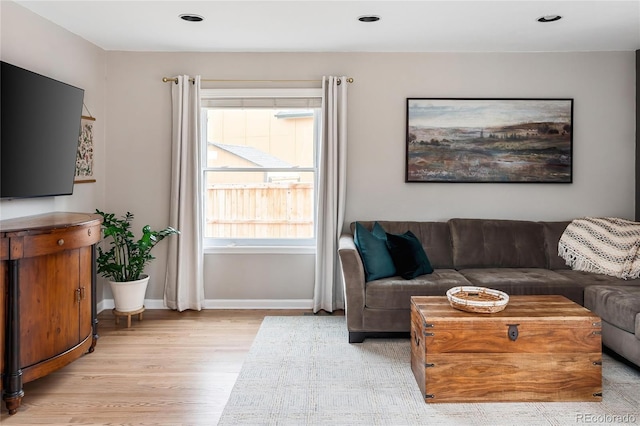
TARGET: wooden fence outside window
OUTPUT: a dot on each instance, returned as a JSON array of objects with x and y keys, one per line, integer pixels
[{"x": 262, "y": 210}]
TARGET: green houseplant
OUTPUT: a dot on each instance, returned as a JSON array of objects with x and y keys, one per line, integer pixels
[{"x": 124, "y": 262}]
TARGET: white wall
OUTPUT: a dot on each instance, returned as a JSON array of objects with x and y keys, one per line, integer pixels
[
  {"x": 31, "y": 42},
  {"x": 601, "y": 83}
]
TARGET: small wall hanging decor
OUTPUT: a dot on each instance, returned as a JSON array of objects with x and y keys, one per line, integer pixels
[
  {"x": 489, "y": 140},
  {"x": 84, "y": 156}
]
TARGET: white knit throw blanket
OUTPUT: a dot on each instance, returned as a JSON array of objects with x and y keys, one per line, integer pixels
[{"x": 603, "y": 245}]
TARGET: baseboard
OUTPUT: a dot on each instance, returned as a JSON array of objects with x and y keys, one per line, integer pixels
[
  {"x": 107, "y": 304},
  {"x": 258, "y": 304}
]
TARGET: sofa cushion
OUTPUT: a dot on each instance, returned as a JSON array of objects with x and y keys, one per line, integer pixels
[
  {"x": 408, "y": 255},
  {"x": 552, "y": 233},
  {"x": 525, "y": 281},
  {"x": 485, "y": 243},
  {"x": 587, "y": 279},
  {"x": 616, "y": 305},
  {"x": 372, "y": 246},
  {"x": 395, "y": 293},
  {"x": 434, "y": 237}
]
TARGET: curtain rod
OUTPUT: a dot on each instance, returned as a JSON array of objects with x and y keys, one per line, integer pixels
[{"x": 175, "y": 80}]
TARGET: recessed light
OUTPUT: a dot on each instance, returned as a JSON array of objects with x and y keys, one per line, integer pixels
[
  {"x": 368, "y": 18},
  {"x": 190, "y": 17},
  {"x": 549, "y": 18}
]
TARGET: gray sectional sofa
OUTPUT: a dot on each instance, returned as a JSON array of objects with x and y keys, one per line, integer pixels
[{"x": 517, "y": 257}]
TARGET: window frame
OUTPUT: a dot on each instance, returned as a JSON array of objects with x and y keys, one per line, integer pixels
[{"x": 260, "y": 98}]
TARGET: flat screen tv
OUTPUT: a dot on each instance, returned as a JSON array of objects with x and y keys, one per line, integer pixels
[{"x": 39, "y": 132}]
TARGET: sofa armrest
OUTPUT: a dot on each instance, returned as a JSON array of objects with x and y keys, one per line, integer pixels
[{"x": 353, "y": 278}]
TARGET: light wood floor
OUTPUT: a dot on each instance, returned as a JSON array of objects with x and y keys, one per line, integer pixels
[{"x": 170, "y": 369}]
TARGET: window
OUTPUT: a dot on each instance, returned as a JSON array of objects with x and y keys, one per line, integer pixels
[{"x": 260, "y": 166}]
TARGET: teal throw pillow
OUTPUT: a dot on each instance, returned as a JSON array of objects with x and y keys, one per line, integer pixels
[
  {"x": 372, "y": 246},
  {"x": 408, "y": 255}
]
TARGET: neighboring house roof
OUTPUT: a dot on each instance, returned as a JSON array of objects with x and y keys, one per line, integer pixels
[
  {"x": 300, "y": 113},
  {"x": 253, "y": 155}
]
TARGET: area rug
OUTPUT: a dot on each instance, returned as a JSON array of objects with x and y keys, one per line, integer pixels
[{"x": 302, "y": 371}]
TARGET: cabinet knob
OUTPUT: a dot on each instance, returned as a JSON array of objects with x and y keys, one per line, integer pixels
[
  {"x": 60, "y": 242},
  {"x": 89, "y": 231}
]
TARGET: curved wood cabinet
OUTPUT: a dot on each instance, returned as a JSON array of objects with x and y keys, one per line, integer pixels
[{"x": 47, "y": 297}]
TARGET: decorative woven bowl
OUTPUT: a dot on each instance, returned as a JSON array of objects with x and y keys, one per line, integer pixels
[{"x": 477, "y": 299}]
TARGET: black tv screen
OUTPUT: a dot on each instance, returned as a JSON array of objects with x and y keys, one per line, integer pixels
[{"x": 39, "y": 132}]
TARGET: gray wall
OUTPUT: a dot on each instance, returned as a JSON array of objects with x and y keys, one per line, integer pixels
[
  {"x": 601, "y": 84},
  {"x": 133, "y": 130},
  {"x": 637, "y": 199},
  {"x": 31, "y": 42}
]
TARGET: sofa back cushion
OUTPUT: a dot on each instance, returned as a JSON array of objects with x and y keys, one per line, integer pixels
[
  {"x": 552, "y": 233},
  {"x": 488, "y": 243},
  {"x": 434, "y": 236}
]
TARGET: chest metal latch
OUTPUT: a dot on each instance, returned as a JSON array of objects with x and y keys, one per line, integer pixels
[{"x": 513, "y": 331}]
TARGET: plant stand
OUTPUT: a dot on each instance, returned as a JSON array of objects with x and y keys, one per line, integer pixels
[{"x": 119, "y": 314}]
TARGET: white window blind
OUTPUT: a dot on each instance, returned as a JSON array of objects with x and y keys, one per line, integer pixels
[{"x": 262, "y": 98}]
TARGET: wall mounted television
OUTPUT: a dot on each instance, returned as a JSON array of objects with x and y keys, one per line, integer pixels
[{"x": 39, "y": 130}]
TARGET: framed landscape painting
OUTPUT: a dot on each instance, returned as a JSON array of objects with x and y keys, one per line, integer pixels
[{"x": 489, "y": 140}]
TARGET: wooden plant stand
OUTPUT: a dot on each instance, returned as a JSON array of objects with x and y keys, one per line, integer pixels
[{"x": 119, "y": 314}]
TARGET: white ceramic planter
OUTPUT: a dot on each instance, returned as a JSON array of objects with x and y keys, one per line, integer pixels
[{"x": 128, "y": 296}]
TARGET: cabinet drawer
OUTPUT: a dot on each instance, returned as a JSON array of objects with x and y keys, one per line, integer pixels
[{"x": 60, "y": 239}]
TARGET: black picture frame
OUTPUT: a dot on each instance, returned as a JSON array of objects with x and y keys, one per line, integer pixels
[{"x": 489, "y": 140}]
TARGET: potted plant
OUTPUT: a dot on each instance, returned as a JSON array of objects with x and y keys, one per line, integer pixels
[{"x": 123, "y": 264}]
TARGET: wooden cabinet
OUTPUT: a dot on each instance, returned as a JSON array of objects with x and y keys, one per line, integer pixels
[{"x": 48, "y": 302}]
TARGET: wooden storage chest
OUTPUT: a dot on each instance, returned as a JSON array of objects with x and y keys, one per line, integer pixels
[{"x": 540, "y": 348}]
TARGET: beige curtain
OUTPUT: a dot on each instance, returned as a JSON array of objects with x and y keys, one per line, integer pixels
[
  {"x": 329, "y": 288},
  {"x": 184, "y": 282}
]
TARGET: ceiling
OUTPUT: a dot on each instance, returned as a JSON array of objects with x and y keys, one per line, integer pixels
[{"x": 332, "y": 26}]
